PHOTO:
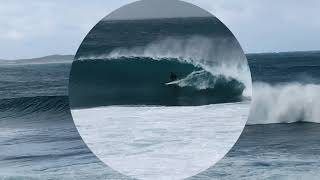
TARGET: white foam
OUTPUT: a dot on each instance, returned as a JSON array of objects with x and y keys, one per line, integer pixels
[
  {"x": 286, "y": 103},
  {"x": 161, "y": 142}
]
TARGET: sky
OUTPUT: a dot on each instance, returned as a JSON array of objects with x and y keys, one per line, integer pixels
[
  {"x": 43, "y": 27},
  {"x": 150, "y": 9}
]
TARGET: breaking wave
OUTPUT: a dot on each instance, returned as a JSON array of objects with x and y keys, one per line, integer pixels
[
  {"x": 285, "y": 103},
  {"x": 218, "y": 56},
  {"x": 145, "y": 81}
]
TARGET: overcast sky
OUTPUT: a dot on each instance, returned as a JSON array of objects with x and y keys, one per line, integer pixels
[
  {"x": 43, "y": 27},
  {"x": 150, "y": 9}
]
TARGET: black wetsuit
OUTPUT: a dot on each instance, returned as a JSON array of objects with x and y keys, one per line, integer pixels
[{"x": 173, "y": 76}]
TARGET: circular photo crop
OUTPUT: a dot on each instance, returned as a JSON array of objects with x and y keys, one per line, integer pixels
[{"x": 160, "y": 89}]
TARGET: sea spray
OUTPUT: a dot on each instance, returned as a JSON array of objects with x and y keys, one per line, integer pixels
[{"x": 285, "y": 103}]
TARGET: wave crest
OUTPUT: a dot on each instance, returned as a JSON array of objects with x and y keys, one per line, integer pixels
[{"x": 286, "y": 103}]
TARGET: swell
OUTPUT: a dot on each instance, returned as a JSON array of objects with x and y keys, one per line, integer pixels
[
  {"x": 17, "y": 107},
  {"x": 285, "y": 103}
]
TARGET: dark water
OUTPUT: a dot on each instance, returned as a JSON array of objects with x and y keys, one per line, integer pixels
[
  {"x": 279, "y": 68},
  {"x": 28, "y": 80},
  {"x": 137, "y": 81},
  {"x": 38, "y": 139}
]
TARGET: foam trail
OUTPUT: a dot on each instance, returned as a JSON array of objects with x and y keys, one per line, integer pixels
[
  {"x": 204, "y": 80},
  {"x": 207, "y": 53},
  {"x": 286, "y": 103}
]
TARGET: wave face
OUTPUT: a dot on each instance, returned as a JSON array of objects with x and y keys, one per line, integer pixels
[
  {"x": 146, "y": 81},
  {"x": 285, "y": 103}
]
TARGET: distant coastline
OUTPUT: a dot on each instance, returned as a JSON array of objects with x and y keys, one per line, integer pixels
[
  {"x": 317, "y": 52},
  {"x": 69, "y": 58},
  {"x": 40, "y": 60}
]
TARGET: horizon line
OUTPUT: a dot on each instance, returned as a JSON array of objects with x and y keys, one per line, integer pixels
[{"x": 249, "y": 53}]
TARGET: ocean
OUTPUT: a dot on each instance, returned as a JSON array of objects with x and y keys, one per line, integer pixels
[{"x": 39, "y": 140}]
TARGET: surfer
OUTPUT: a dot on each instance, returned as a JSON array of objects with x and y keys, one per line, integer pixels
[{"x": 173, "y": 76}]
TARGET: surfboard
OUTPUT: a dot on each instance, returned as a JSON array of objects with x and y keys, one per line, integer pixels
[{"x": 172, "y": 82}]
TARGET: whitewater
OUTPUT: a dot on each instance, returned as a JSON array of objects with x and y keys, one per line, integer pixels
[
  {"x": 172, "y": 139},
  {"x": 285, "y": 103}
]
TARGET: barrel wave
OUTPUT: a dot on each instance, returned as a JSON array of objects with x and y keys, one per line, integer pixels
[{"x": 144, "y": 80}]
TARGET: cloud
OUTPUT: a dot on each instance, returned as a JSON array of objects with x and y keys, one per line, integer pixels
[
  {"x": 269, "y": 25},
  {"x": 42, "y": 27}
]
